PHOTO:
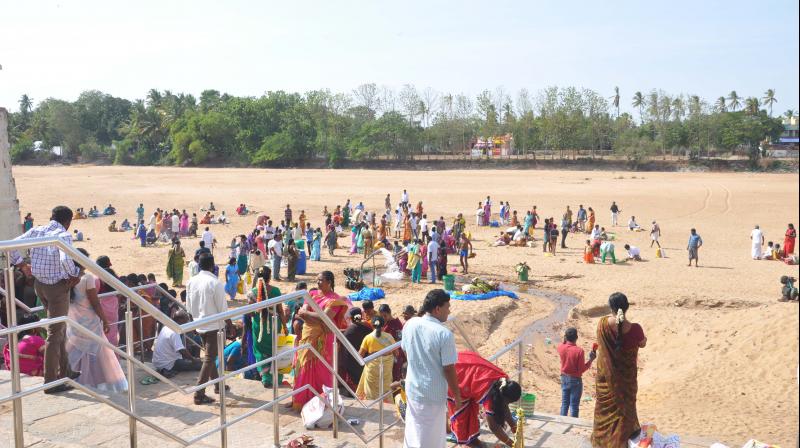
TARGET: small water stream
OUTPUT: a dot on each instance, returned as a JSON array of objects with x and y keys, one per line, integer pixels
[{"x": 544, "y": 327}]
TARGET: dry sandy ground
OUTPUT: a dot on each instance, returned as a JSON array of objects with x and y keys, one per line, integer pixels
[{"x": 722, "y": 353}]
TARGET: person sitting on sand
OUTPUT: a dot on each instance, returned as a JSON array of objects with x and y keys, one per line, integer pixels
[
  {"x": 767, "y": 254},
  {"x": 633, "y": 253},
  {"x": 78, "y": 214},
  {"x": 113, "y": 226},
  {"x": 211, "y": 207},
  {"x": 503, "y": 239},
  {"x": 222, "y": 219},
  {"x": 125, "y": 226},
  {"x": 151, "y": 237},
  {"x": 519, "y": 238},
  {"x": 110, "y": 210},
  {"x": 78, "y": 235},
  {"x": 93, "y": 212},
  {"x": 603, "y": 234},
  {"x": 595, "y": 233},
  {"x": 207, "y": 218},
  {"x": 633, "y": 225}
]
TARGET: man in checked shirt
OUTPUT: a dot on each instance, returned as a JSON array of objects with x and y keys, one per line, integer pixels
[{"x": 55, "y": 273}]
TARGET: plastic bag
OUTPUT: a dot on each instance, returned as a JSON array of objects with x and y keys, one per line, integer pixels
[
  {"x": 316, "y": 415},
  {"x": 240, "y": 286}
]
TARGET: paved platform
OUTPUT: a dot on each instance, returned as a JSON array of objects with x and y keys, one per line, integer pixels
[{"x": 74, "y": 419}]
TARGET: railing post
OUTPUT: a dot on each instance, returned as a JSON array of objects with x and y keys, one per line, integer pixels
[
  {"x": 380, "y": 405},
  {"x": 335, "y": 384},
  {"x": 520, "y": 350},
  {"x": 141, "y": 335},
  {"x": 276, "y": 429},
  {"x": 13, "y": 340},
  {"x": 131, "y": 376},
  {"x": 223, "y": 433}
]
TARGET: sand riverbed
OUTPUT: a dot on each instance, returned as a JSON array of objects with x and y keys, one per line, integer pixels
[{"x": 722, "y": 353}]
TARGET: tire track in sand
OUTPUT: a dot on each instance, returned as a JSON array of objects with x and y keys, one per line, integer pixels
[{"x": 706, "y": 203}]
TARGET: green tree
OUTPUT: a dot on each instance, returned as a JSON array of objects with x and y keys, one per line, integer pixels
[
  {"x": 639, "y": 103},
  {"x": 733, "y": 100},
  {"x": 769, "y": 99}
]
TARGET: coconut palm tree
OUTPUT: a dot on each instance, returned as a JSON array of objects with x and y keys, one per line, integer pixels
[
  {"x": 789, "y": 113},
  {"x": 769, "y": 99},
  {"x": 639, "y": 102},
  {"x": 678, "y": 108},
  {"x": 721, "y": 105},
  {"x": 615, "y": 99},
  {"x": 652, "y": 105},
  {"x": 733, "y": 100},
  {"x": 695, "y": 106},
  {"x": 752, "y": 105}
]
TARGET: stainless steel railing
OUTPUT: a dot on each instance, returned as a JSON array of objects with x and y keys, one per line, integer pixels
[{"x": 145, "y": 306}]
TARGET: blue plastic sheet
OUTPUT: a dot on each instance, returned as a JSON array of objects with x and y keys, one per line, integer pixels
[
  {"x": 367, "y": 293},
  {"x": 484, "y": 296}
]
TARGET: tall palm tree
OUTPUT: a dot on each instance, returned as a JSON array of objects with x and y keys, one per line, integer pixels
[
  {"x": 733, "y": 100},
  {"x": 721, "y": 105},
  {"x": 25, "y": 104},
  {"x": 695, "y": 106},
  {"x": 652, "y": 105},
  {"x": 615, "y": 99},
  {"x": 638, "y": 102},
  {"x": 769, "y": 99},
  {"x": 752, "y": 105},
  {"x": 789, "y": 113},
  {"x": 678, "y": 108}
]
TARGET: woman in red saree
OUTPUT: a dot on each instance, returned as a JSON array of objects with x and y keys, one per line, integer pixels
[
  {"x": 482, "y": 384},
  {"x": 619, "y": 340},
  {"x": 309, "y": 369},
  {"x": 788, "y": 241}
]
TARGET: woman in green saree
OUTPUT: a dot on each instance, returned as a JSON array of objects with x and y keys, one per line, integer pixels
[
  {"x": 619, "y": 341},
  {"x": 260, "y": 323}
]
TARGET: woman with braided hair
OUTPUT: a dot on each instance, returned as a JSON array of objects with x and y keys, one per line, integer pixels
[
  {"x": 619, "y": 341},
  {"x": 482, "y": 384},
  {"x": 258, "y": 326}
]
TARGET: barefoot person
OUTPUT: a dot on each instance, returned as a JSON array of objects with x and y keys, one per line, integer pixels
[
  {"x": 431, "y": 351},
  {"x": 615, "y": 417},
  {"x": 695, "y": 243},
  {"x": 464, "y": 250},
  {"x": 205, "y": 296},
  {"x": 482, "y": 385},
  {"x": 655, "y": 234},
  {"x": 757, "y": 242}
]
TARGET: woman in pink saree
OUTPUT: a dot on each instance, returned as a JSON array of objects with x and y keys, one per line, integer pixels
[
  {"x": 308, "y": 368},
  {"x": 487, "y": 211},
  {"x": 184, "y": 225}
]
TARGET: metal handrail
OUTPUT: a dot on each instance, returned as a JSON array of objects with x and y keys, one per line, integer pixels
[{"x": 144, "y": 305}]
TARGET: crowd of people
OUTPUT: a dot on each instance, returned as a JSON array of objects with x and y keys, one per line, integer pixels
[{"x": 437, "y": 380}]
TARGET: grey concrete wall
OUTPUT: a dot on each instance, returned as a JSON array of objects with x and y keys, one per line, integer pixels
[{"x": 10, "y": 223}]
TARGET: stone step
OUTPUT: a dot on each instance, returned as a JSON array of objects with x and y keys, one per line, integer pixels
[{"x": 74, "y": 419}]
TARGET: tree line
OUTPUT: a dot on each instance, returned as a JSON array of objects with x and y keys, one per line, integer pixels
[{"x": 283, "y": 128}]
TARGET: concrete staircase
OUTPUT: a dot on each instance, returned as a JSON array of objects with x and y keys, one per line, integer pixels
[{"x": 74, "y": 419}]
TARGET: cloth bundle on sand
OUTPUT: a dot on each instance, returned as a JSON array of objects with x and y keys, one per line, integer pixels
[
  {"x": 482, "y": 296},
  {"x": 367, "y": 293},
  {"x": 651, "y": 438}
]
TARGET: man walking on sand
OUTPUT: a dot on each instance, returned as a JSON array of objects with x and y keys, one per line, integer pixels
[
  {"x": 695, "y": 243},
  {"x": 431, "y": 352},
  {"x": 54, "y": 275},
  {"x": 655, "y": 234}
]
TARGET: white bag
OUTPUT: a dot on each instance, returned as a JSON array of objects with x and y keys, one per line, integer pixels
[{"x": 316, "y": 415}]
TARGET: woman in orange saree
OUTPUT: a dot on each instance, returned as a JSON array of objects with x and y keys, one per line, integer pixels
[
  {"x": 309, "y": 369},
  {"x": 406, "y": 227},
  {"x": 590, "y": 225},
  {"x": 615, "y": 418}
]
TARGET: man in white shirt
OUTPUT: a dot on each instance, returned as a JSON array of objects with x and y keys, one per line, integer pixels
[
  {"x": 433, "y": 258},
  {"x": 413, "y": 221},
  {"x": 269, "y": 232},
  {"x": 757, "y": 239},
  {"x": 519, "y": 237},
  {"x": 205, "y": 296},
  {"x": 633, "y": 252},
  {"x": 404, "y": 198},
  {"x": 275, "y": 249},
  {"x": 208, "y": 240},
  {"x": 170, "y": 355},
  {"x": 423, "y": 229},
  {"x": 431, "y": 352}
]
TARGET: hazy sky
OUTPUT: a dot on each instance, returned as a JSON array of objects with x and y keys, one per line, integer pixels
[{"x": 60, "y": 48}]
